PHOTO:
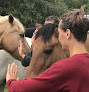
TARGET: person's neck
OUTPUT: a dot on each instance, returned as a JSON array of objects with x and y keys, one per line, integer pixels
[{"x": 79, "y": 48}]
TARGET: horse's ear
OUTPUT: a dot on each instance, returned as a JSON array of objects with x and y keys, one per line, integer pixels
[{"x": 11, "y": 19}]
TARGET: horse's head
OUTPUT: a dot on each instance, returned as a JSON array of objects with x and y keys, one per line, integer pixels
[
  {"x": 11, "y": 31},
  {"x": 46, "y": 50}
]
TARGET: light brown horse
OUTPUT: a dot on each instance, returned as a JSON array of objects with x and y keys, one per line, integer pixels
[
  {"x": 46, "y": 50},
  {"x": 11, "y": 31}
]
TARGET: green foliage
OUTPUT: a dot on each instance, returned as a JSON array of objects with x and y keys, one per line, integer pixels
[
  {"x": 31, "y": 11},
  {"x": 75, "y": 3}
]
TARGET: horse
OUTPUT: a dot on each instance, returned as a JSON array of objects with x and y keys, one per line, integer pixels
[
  {"x": 5, "y": 59},
  {"x": 46, "y": 50},
  {"x": 11, "y": 31}
]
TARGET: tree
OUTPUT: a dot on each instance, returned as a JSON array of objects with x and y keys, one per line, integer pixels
[{"x": 31, "y": 11}]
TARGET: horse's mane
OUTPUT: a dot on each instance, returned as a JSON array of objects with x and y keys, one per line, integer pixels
[
  {"x": 46, "y": 31},
  {"x": 16, "y": 21}
]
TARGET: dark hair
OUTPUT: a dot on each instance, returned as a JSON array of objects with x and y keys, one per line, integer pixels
[
  {"x": 46, "y": 31},
  {"x": 77, "y": 23},
  {"x": 53, "y": 18}
]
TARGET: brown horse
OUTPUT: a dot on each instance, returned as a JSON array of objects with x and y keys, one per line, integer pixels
[
  {"x": 46, "y": 50},
  {"x": 11, "y": 31}
]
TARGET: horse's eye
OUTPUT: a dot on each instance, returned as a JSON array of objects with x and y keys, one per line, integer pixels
[
  {"x": 21, "y": 35},
  {"x": 48, "y": 51}
]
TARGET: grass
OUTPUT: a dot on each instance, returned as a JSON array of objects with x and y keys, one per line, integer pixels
[{"x": 5, "y": 90}]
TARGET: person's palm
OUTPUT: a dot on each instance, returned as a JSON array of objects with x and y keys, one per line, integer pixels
[
  {"x": 11, "y": 72},
  {"x": 21, "y": 49}
]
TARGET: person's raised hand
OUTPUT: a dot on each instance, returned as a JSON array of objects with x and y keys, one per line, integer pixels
[
  {"x": 11, "y": 72},
  {"x": 20, "y": 48},
  {"x": 33, "y": 37}
]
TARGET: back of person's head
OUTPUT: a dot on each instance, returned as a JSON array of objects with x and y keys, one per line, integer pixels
[
  {"x": 53, "y": 18},
  {"x": 77, "y": 23}
]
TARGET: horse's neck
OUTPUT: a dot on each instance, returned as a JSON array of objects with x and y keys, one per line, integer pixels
[
  {"x": 36, "y": 67},
  {"x": 33, "y": 72},
  {"x": 30, "y": 73}
]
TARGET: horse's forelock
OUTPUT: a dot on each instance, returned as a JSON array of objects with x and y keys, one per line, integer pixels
[{"x": 46, "y": 32}]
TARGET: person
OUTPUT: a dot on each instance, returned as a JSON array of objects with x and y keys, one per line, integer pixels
[
  {"x": 26, "y": 59},
  {"x": 50, "y": 19},
  {"x": 67, "y": 75}
]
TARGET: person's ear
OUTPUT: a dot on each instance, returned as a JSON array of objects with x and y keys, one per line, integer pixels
[{"x": 68, "y": 33}]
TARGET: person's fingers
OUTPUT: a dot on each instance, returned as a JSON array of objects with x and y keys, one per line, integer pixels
[
  {"x": 20, "y": 48},
  {"x": 12, "y": 68},
  {"x": 8, "y": 70},
  {"x": 15, "y": 70},
  {"x": 33, "y": 38},
  {"x": 11, "y": 72},
  {"x": 21, "y": 44},
  {"x": 33, "y": 33},
  {"x": 36, "y": 31},
  {"x": 19, "y": 41}
]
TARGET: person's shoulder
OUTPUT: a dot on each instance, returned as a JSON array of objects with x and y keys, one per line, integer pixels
[
  {"x": 66, "y": 63},
  {"x": 73, "y": 61},
  {"x": 61, "y": 64},
  {"x": 78, "y": 57}
]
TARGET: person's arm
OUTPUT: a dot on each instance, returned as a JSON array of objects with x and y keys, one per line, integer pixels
[
  {"x": 26, "y": 59},
  {"x": 49, "y": 81},
  {"x": 20, "y": 48},
  {"x": 33, "y": 37},
  {"x": 41, "y": 83}
]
